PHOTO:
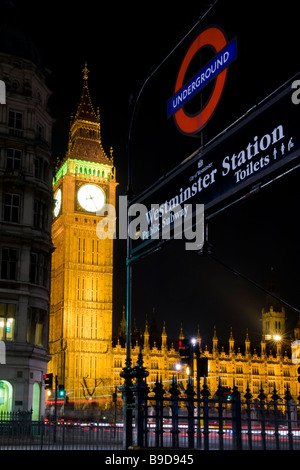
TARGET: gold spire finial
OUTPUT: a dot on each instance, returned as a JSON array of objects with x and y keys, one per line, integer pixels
[{"x": 85, "y": 72}]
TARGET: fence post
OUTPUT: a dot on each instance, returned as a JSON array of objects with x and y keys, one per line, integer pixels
[
  {"x": 220, "y": 394},
  {"x": 127, "y": 396},
  {"x": 205, "y": 393},
  {"x": 159, "y": 393},
  {"x": 248, "y": 397},
  {"x": 236, "y": 418},
  {"x": 262, "y": 398},
  {"x": 141, "y": 390},
  {"x": 190, "y": 409},
  {"x": 275, "y": 398},
  {"x": 288, "y": 399},
  {"x": 174, "y": 397}
]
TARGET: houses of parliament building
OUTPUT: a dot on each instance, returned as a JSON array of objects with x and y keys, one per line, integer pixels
[{"x": 56, "y": 274}]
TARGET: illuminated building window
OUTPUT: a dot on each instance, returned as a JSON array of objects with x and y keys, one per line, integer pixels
[
  {"x": 93, "y": 290},
  {"x": 118, "y": 363},
  {"x": 94, "y": 326},
  {"x": 77, "y": 366},
  {"x": 255, "y": 386},
  {"x": 240, "y": 384},
  {"x": 82, "y": 290},
  {"x": 271, "y": 385},
  {"x": 95, "y": 251},
  {"x": 7, "y": 321},
  {"x": 81, "y": 250},
  {"x": 96, "y": 290},
  {"x": 77, "y": 326},
  {"x": 36, "y": 332},
  {"x": 98, "y": 252},
  {"x": 78, "y": 288}
]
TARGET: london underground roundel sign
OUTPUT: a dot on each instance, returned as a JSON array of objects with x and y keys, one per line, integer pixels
[{"x": 216, "y": 69}]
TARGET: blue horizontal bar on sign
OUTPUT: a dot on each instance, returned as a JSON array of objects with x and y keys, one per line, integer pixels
[{"x": 211, "y": 70}]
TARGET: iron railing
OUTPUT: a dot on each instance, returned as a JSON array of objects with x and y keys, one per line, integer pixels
[
  {"x": 194, "y": 419},
  {"x": 176, "y": 419}
]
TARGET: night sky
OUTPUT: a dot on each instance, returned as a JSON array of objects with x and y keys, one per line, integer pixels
[{"x": 122, "y": 46}]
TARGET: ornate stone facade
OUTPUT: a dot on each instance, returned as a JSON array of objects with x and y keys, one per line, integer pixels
[
  {"x": 82, "y": 263},
  {"x": 26, "y": 202}
]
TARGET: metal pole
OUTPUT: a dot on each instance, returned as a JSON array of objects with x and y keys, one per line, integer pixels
[
  {"x": 127, "y": 371},
  {"x": 198, "y": 397},
  {"x": 55, "y": 409}
]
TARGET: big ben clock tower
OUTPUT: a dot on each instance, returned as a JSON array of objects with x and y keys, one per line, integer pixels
[{"x": 82, "y": 264}]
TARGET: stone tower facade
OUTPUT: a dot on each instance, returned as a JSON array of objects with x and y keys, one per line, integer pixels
[{"x": 82, "y": 263}]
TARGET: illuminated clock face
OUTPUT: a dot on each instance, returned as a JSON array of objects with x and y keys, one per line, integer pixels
[
  {"x": 91, "y": 197},
  {"x": 57, "y": 206}
]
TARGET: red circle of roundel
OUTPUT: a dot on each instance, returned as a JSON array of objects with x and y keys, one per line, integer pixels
[{"x": 191, "y": 124}]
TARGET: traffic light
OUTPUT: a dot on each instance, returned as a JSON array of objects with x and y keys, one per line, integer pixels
[
  {"x": 203, "y": 367},
  {"x": 185, "y": 351},
  {"x": 48, "y": 381},
  {"x": 298, "y": 370},
  {"x": 61, "y": 391},
  {"x": 227, "y": 393}
]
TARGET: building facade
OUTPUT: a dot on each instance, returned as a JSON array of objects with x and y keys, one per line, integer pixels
[
  {"x": 26, "y": 202},
  {"x": 246, "y": 366}
]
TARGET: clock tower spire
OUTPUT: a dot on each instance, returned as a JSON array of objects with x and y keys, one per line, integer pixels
[
  {"x": 82, "y": 264},
  {"x": 85, "y": 137}
]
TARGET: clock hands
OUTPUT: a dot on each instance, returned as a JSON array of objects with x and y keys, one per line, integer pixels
[{"x": 91, "y": 198}]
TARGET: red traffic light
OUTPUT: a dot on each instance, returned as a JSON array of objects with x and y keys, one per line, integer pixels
[
  {"x": 48, "y": 378},
  {"x": 184, "y": 348}
]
